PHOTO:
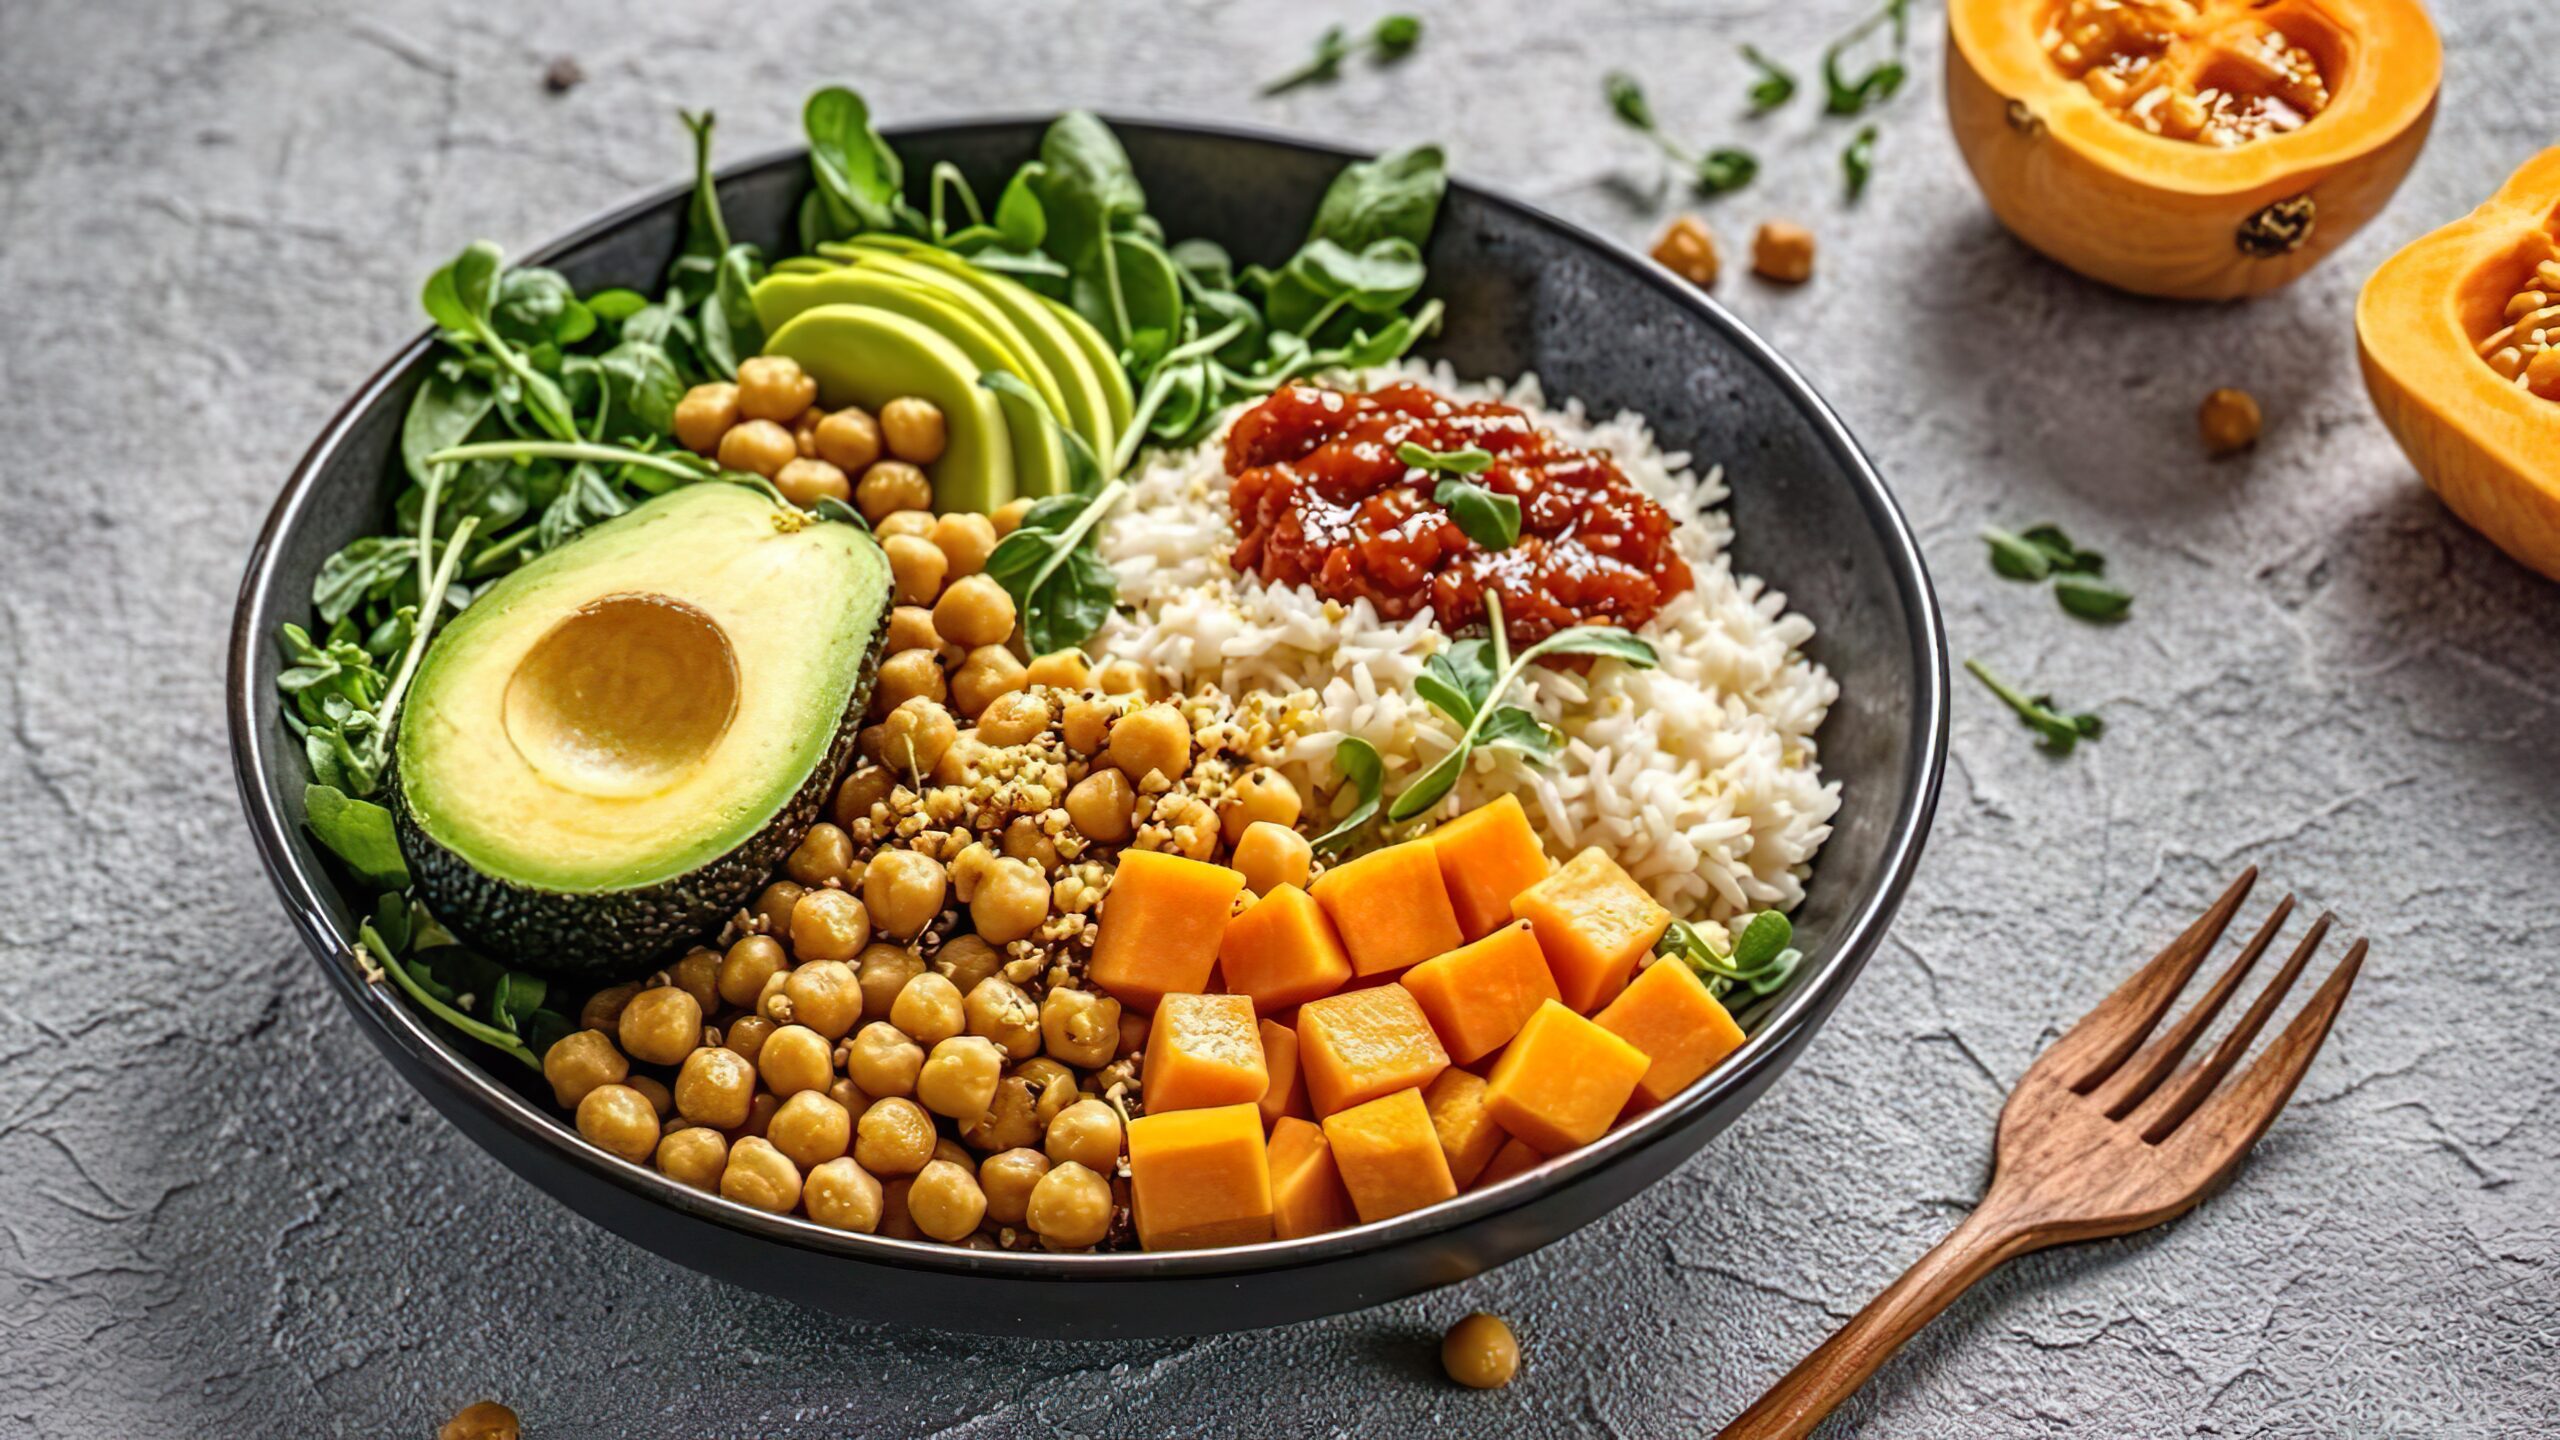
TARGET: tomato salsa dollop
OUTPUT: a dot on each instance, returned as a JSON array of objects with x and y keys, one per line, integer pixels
[{"x": 1322, "y": 500}]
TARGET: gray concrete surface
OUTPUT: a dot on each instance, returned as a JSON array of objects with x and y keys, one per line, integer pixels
[{"x": 220, "y": 1216}]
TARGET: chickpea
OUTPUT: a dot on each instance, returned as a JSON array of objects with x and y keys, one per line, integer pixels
[
  {"x": 905, "y": 676},
  {"x": 1263, "y": 796},
  {"x": 1008, "y": 1178},
  {"x": 1271, "y": 855},
  {"x": 1480, "y": 1353},
  {"x": 715, "y": 1086},
  {"x": 1133, "y": 1033},
  {"x": 811, "y": 1129},
  {"x": 773, "y": 907},
  {"x": 930, "y": 1010},
  {"x": 1155, "y": 740},
  {"x": 885, "y": 969},
  {"x": 918, "y": 569},
  {"x": 1086, "y": 1133},
  {"x": 945, "y": 1200},
  {"x": 894, "y": 1220},
  {"x": 580, "y": 1061},
  {"x": 911, "y": 628},
  {"x": 915, "y": 524},
  {"x": 620, "y": 1119},
  {"x": 826, "y": 996},
  {"x": 1782, "y": 251},
  {"x": 749, "y": 963},
  {"x": 662, "y": 1101},
  {"x": 861, "y": 790},
  {"x": 697, "y": 974},
  {"x": 841, "y": 1195},
  {"x": 2230, "y": 421},
  {"x": 904, "y": 889},
  {"x": 804, "y": 482},
  {"x": 661, "y": 1025},
  {"x": 1688, "y": 250},
  {"x": 485, "y": 1420},
  {"x": 1103, "y": 805},
  {"x": 822, "y": 855},
  {"x": 1065, "y": 669},
  {"x": 1053, "y": 1088},
  {"x": 959, "y": 1077},
  {"x": 1017, "y": 718},
  {"x": 774, "y": 387},
  {"x": 829, "y": 925},
  {"x": 1070, "y": 1207},
  {"x": 1087, "y": 722},
  {"x": 1121, "y": 677},
  {"x": 882, "y": 1060},
  {"x": 893, "y": 1137},
  {"x": 998, "y": 1010},
  {"x": 694, "y": 1156},
  {"x": 989, "y": 672},
  {"x": 1081, "y": 1027},
  {"x": 1024, "y": 840},
  {"x": 1008, "y": 516},
  {"x": 603, "y": 1010},
  {"x": 966, "y": 961},
  {"x": 968, "y": 868},
  {"x": 759, "y": 446},
  {"x": 759, "y": 1115},
  {"x": 762, "y": 1176},
  {"x": 704, "y": 415},
  {"x": 960, "y": 763},
  {"x": 796, "y": 1058},
  {"x": 974, "y": 611},
  {"x": 1012, "y": 1119},
  {"x": 804, "y": 433},
  {"x": 849, "y": 439},
  {"x": 746, "y": 1036},
  {"x": 889, "y": 486},
  {"x": 966, "y": 540},
  {"x": 913, "y": 428},
  {"x": 915, "y": 735},
  {"x": 844, "y": 1092},
  {"x": 952, "y": 1150},
  {"x": 1011, "y": 902}
]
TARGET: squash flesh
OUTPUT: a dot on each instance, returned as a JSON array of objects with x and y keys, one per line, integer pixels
[
  {"x": 1200, "y": 1178},
  {"x": 1389, "y": 1156}
]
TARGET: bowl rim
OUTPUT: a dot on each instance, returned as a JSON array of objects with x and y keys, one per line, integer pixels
[{"x": 397, "y": 1024}]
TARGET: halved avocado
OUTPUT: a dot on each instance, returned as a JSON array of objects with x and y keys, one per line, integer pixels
[
  {"x": 865, "y": 356},
  {"x": 1039, "y": 461},
  {"x": 609, "y": 751}
]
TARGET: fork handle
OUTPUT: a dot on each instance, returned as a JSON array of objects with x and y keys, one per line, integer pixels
[{"x": 1989, "y": 1236}]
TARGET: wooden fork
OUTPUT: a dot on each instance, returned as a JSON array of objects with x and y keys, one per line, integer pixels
[{"x": 2105, "y": 1135}]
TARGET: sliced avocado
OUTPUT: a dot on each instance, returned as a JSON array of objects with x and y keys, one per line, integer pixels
[
  {"x": 868, "y": 357},
  {"x": 609, "y": 751},
  {"x": 1039, "y": 461},
  {"x": 782, "y": 295},
  {"x": 1075, "y": 351}
]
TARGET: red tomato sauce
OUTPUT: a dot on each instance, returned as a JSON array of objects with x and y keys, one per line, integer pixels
[{"x": 1321, "y": 500}]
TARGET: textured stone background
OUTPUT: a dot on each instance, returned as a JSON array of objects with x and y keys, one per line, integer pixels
[{"x": 220, "y": 1216}]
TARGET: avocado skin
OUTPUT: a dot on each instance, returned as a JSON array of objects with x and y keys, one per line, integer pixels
[{"x": 627, "y": 933}]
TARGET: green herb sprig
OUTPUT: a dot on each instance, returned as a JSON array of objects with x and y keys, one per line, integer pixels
[
  {"x": 2043, "y": 552},
  {"x": 1712, "y": 172},
  {"x": 1467, "y": 681},
  {"x": 1775, "y": 85},
  {"x": 2056, "y": 730},
  {"x": 1847, "y": 94},
  {"x": 1483, "y": 514},
  {"x": 1356, "y": 760},
  {"x": 1762, "y": 958},
  {"x": 1392, "y": 38}
]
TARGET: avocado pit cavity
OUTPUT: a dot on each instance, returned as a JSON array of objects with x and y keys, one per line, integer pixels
[{"x": 623, "y": 697}]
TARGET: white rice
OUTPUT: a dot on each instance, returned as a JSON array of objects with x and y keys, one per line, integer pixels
[{"x": 1701, "y": 777}]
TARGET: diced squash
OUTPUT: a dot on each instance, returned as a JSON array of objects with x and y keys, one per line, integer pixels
[
  {"x": 1510, "y": 1160},
  {"x": 1203, "y": 1050},
  {"x": 1282, "y": 951},
  {"x": 1389, "y": 1156},
  {"x": 1286, "y": 1090},
  {"x": 1592, "y": 922},
  {"x": 1487, "y": 857},
  {"x": 1355, "y": 1047},
  {"x": 1562, "y": 1080},
  {"x": 1199, "y": 1178},
  {"x": 1390, "y": 907},
  {"x": 1668, "y": 1014},
  {"x": 1272, "y": 855},
  {"x": 1162, "y": 920},
  {"x": 1307, "y": 1197},
  {"x": 1468, "y": 1136},
  {"x": 1478, "y": 996}
]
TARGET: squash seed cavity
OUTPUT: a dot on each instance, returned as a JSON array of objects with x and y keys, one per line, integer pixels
[
  {"x": 2210, "y": 73},
  {"x": 2525, "y": 347}
]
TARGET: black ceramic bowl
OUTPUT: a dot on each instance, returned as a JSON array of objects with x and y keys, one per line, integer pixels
[{"x": 1524, "y": 292}]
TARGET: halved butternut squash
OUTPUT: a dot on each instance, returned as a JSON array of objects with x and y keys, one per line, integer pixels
[
  {"x": 2194, "y": 149},
  {"x": 2460, "y": 334}
]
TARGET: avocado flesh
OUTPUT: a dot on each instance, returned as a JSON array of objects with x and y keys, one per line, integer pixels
[
  {"x": 1087, "y": 370},
  {"x": 1039, "y": 460},
  {"x": 609, "y": 751},
  {"x": 860, "y": 355}
]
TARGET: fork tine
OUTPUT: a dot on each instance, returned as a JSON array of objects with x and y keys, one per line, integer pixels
[
  {"x": 2133, "y": 1084},
  {"x": 2092, "y": 1049},
  {"x": 2178, "y": 1099},
  {"x": 2215, "y": 1137}
]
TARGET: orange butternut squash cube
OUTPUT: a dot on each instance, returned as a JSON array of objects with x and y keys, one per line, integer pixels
[
  {"x": 1199, "y": 1178},
  {"x": 1282, "y": 951},
  {"x": 1307, "y": 1197},
  {"x": 1360, "y": 1045},
  {"x": 1389, "y": 1156},
  {"x": 1487, "y": 857},
  {"x": 1510, "y": 1160},
  {"x": 1203, "y": 1050},
  {"x": 1390, "y": 907},
  {"x": 1668, "y": 1014},
  {"x": 1286, "y": 1090},
  {"x": 1593, "y": 921},
  {"x": 1478, "y": 996},
  {"x": 1162, "y": 920},
  {"x": 1468, "y": 1136},
  {"x": 1562, "y": 1080}
]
